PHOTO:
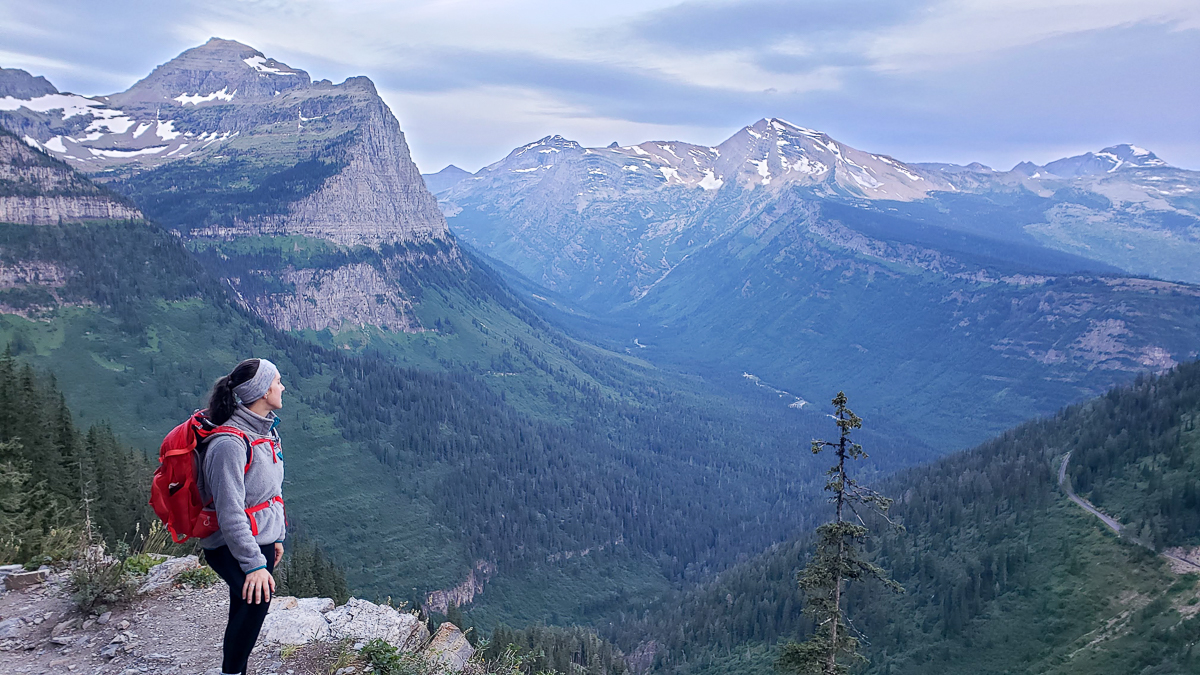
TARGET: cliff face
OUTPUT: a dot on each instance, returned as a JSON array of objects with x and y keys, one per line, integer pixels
[
  {"x": 464, "y": 593},
  {"x": 378, "y": 189},
  {"x": 37, "y": 190},
  {"x": 50, "y": 210}
]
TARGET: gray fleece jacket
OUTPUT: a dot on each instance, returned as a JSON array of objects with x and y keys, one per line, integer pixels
[{"x": 233, "y": 488}]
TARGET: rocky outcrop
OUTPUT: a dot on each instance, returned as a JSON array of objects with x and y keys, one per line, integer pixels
[
  {"x": 356, "y": 294},
  {"x": 162, "y": 576},
  {"x": 464, "y": 593},
  {"x": 449, "y": 648},
  {"x": 363, "y": 620},
  {"x": 53, "y": 210},
  {"x": 294, "y": 625},
  {"x": 300, "y": 622},
  {"x": 37, "y": 190}
]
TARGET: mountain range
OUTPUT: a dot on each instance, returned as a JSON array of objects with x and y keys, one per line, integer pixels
[{"x": 782, "y": 252}]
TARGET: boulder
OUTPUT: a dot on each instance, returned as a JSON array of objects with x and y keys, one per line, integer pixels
[
  {"x": 297, "y": 626},
  {"x": 321, "y": 605},
  {"x": 163, "y": 574},
  {"x": 449, "y": 648},
  {"x": 282, "y": 602},
  {"x": 22, "y": 580},
  {"x": 361, "y": 620}
]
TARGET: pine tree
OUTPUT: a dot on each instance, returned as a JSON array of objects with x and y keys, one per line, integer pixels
[{"x": 839, "y": 560}]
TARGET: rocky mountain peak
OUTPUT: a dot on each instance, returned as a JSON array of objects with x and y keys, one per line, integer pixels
[
  {"x": 219, "y": 71},
  {"x": 445, "y": 179},
  {"x": 18, "y": 84},
  {"x": 1109, "y": 160},
  {"x": 547, "y": 145},
  {"x": 773, "y": 152}
]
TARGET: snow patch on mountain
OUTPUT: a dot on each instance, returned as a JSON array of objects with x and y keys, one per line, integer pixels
[
  {"x": 259, "y": 63},
  {"x": 195, "y": 99}
]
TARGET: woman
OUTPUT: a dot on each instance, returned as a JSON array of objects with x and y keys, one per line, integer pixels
[{"x": 243, "y": 476}]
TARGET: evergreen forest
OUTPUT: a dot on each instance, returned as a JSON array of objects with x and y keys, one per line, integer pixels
[{"x": 1003, "y": 574}]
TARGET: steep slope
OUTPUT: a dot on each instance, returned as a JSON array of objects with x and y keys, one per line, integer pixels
[{"x": 1003, "y": 573}]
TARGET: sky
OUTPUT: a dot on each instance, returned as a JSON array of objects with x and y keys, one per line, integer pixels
[{"x": 992, "y": 81}]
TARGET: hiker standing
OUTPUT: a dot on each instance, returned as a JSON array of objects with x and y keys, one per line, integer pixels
[{"x": 242, "y": 475}]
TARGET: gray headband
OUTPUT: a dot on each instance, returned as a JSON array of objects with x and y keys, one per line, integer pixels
[{"x": 256, "y": 387}]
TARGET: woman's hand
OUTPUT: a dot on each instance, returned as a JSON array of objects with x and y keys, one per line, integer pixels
[
  {"x": 278, "y": 552},
  {"x": 258, "y": 587}
]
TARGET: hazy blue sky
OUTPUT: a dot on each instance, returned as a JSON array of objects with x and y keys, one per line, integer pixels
[{"x": 996, "y": 81}]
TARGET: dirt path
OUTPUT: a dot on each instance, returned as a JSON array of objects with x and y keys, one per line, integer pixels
[
  {"x": 1111, "y": 522},
  {"x": 174, "y": 633}
]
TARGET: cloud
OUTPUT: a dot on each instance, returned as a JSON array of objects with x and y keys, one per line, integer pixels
[
  {"x": 758, "y": 24},
  {"x": 951, "y": 80}
]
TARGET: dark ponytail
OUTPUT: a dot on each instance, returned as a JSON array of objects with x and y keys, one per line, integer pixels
[{"x": 221, "y": 402}]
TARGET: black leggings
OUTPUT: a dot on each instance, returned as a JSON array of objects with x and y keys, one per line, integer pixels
[{"x": 245, "y": 620}]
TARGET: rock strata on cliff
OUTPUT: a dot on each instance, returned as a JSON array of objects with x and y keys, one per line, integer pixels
[{"x": 37, "y": 190}]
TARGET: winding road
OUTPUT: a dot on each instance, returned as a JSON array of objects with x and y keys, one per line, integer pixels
[{"x": 1110, "y": 522}]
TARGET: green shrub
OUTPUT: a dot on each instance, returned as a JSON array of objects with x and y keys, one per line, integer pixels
[
  {"x": 199, "y": 577},
  {"x": 139, "y": 564}
]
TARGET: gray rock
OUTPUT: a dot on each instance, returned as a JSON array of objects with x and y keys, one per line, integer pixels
[
  {"x": 104, "y": 618},
  {"x": 10, "y": 628},
  {"x": 63, "y": 627},
  {"x": 361, "y": 620},
  {"x": 163, "y": 574},
  {"x": 294, "y": 627},
  {"x": 321, "y": 605},
  {"x": 449, "y": 648},
  {"x": 22, "y": 580}
]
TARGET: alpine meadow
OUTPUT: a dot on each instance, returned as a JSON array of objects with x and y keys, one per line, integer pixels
[{"x": 749, "y": 401}]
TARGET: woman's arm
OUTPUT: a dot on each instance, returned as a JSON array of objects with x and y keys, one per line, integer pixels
[{"x": 224, "y": 474}]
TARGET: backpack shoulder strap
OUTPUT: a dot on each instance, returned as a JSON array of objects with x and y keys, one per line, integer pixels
[{"x": 234, "y": 431}]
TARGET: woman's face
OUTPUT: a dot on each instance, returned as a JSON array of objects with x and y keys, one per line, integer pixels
[{"x": 274, "y": 395}]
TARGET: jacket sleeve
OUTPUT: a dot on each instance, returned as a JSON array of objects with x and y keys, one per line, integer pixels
[{"x": 224, "y": 471}]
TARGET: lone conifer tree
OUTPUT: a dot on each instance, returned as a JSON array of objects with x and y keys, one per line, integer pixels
[{"x": 831, "y": 649}]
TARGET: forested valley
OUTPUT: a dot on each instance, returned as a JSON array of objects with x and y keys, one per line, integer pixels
[{"x": 1002, "y": 573}]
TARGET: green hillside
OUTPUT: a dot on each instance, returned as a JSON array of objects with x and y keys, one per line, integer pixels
[{"x": 1003, "y": 574}]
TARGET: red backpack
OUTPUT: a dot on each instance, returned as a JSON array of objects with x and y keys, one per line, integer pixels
[{"x": 174, "y": 493}]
